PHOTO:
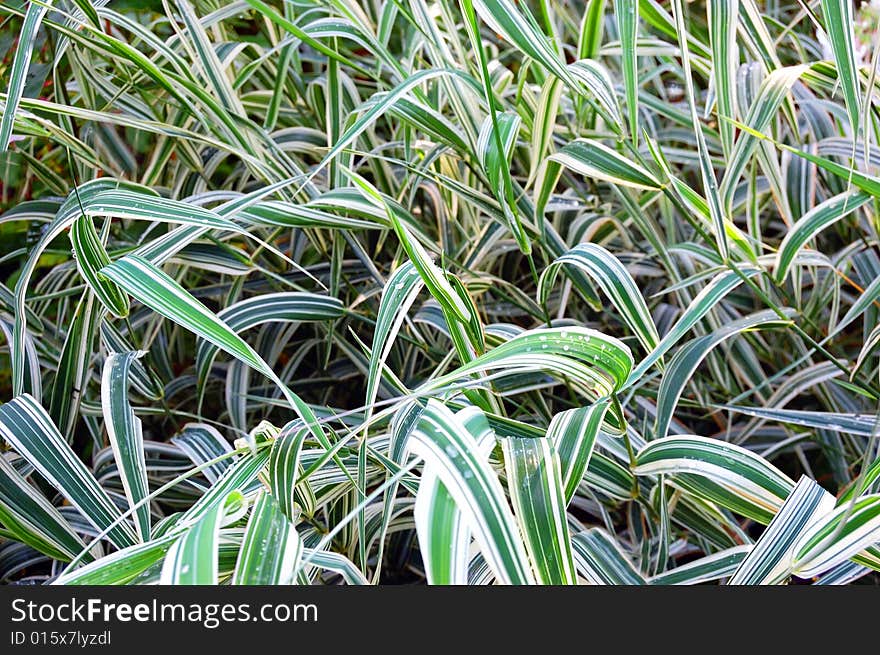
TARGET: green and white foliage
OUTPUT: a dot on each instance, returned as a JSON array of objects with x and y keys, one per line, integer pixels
[{"x": 477, "y": 292}]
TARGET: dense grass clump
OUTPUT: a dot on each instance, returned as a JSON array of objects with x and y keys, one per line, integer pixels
[{"x": 444, "y": 291}]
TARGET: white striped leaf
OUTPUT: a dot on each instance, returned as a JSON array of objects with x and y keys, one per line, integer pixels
[
  {"x": 596, "y": 79},
  {"x": 126, "y": 437},
  {"x": 813, "y": 222},
  {"x": 711, "y": 567},
  {"x": 432, "y": 275},
  {"x": 444, "y": 535},
  {"x": 130, "y": 204},
  {"x": 534, "y": 482},
  {"x": 520, "y": 28},
  {"x": 20, "y": 64},
  {"x": 271, "y": 547},
  {"x": 866, "y": 481},
  {"x": 703, "y": 302},
  {"x": 842, "y": 574},
  {"x": 615, "y": 281},
  {"x": 592, "y": 28},
  {"x": 863, "y": 424},
  {"x": 755, "y": 30},
  {"x": 91, "y": 257},
  {"x": 600, "y": 561},
  {"x": 73, "y": 367},
  {"x": 686, "y": 360},
  {"x": 626, "y": 13},
  {"x": 241, "y": 476},
  {"x": 202, "y": 443},
  {"x": 593, "y": 159},
  {"x": 839, "y": 535},
  {"x": 710, "y": 183},
  {"x": 452, "y": 453},
  {"x": 398, "y": 295},
  {"x": 285, "y": 470},
  {"x": 142, "y": 379},
  {"x": 32, "y": 519},
  {"x": 544, "y": 124},
  {"x": 337, "y": 563},
  {"x": 495, "y": 145},
  {"x": 377, "y": 105},
  {"x": 223, "y": 259},
  {"x": 209, "y": 63},
  {"x": 27, "y": 427},
  {"x": 770, "y": 561},
  {"x": 121, "y": 567},
  {"x": 765, "y": 106},
  {"x": 75, "y": 206},
  {"x": 723, "y": 21},
  {"x": 573, "y": 433},
  {"x": 720, "y": 472},
  {"x": 282, "y": 307},
  {"x": 866, "y": 350},
  {"x": 839, "y": 25},
  {"x": 284, "y": 214},
  {"x": 869, "y": 558},
  {"x": 193, "y": 559},
  {"x": 161, "y": 293},
  {"x": 592, "y": 359}
]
